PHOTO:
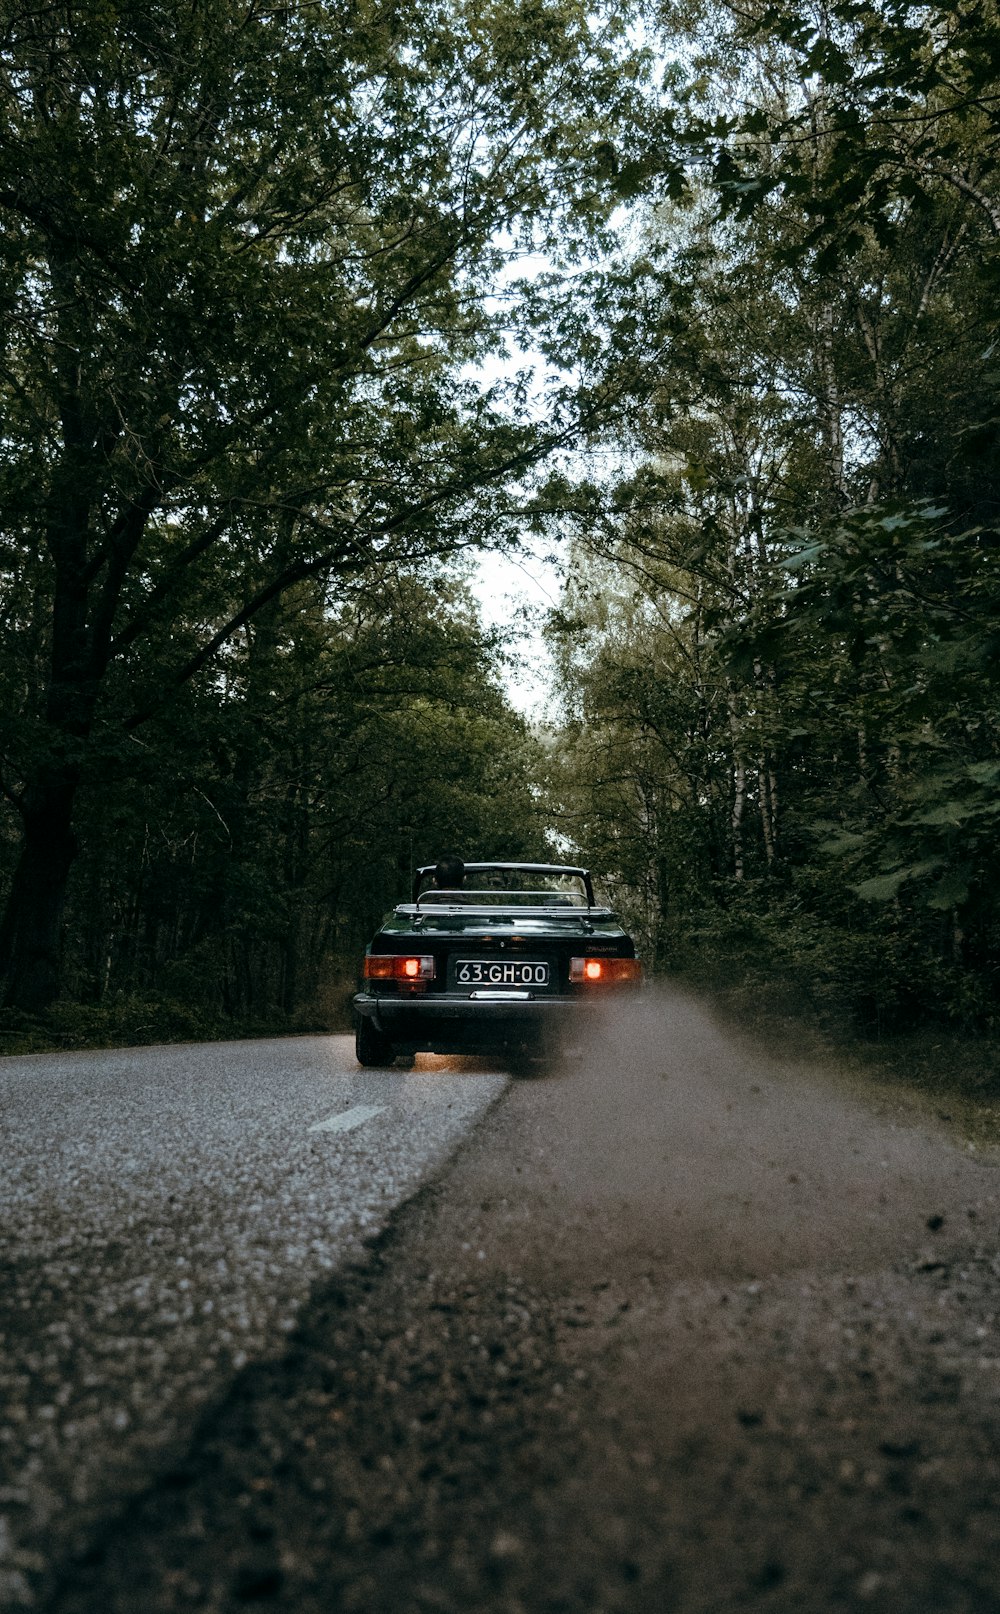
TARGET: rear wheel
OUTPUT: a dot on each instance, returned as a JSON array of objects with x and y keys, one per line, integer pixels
[{"x": 370, "y": 1046}]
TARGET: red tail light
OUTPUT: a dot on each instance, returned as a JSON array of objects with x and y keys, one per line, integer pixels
[
  {"x": 398, "y": 967},
  {"x": 605, "y": 971}
]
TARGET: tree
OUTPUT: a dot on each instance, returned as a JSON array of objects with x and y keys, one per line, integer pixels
[
  {"x": 811, "y": 507},
  {"x": 238, "y": 863},
  {"x": 243, "y": 260}
]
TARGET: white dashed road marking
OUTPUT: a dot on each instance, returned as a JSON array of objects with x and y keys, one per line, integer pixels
[{"x": 348, "y": 1119}]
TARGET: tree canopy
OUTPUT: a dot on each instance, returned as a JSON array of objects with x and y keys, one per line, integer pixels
[
  {"x": 250, "y": 254},
  {"x": 778, "y": 644},
  {"x": 267, "y": 353}
]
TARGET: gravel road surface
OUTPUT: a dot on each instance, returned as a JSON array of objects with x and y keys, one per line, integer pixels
[
  {"x": 164, "y": 1215},
  {"x": 682, "y": 1328}
]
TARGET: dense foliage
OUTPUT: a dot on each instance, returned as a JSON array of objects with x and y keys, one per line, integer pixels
[
  {"x": 259, "y": 266},
  {"x": 778, "y": 646},
  {"x": 240, "y": 858},
  {"x": 249, "y": 257}
]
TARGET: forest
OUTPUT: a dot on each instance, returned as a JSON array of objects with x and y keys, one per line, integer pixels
[{"x": 306, "y": 304}]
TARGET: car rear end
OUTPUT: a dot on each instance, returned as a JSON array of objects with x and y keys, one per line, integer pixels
[{"x": 473, "y": 971}]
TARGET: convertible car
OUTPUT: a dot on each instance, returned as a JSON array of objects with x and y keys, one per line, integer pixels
[{"x": 506, "y": 963}]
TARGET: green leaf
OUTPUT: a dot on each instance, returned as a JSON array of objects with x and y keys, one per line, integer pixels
[
  {"x": 984, "y": 773},
  {"x": 803, "y": 557},
  {"x": 883, "y": 888},
  {"x": 951, "y": 891},
  {"x": 842, "y": 841},
  {"x": 950, "y": 812}
]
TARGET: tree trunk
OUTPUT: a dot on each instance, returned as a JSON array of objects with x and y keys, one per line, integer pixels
[
  {"x": 739, "y": 795},
  {"x": 31, "y": 932},
  {"x": 766, "y": 820},
  {"x": 831, "y": 408},
  {"x": 736, "y": 817}
]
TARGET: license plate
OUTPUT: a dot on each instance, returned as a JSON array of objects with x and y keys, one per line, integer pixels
[{"x": 493, "y": 972}]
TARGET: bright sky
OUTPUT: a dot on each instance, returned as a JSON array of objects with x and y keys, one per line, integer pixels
[{"x": 516, "y": 593}]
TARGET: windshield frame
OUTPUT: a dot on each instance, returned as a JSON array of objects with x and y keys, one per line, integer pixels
[{"x": 467, "y": 895}]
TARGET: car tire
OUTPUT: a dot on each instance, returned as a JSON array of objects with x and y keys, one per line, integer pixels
[{"x": 370, "y": 1046}]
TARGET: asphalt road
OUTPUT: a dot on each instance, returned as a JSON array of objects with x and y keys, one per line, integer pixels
[
  {"x": 681, "y": 1327},
  {"x": 164, "y": 1215}
]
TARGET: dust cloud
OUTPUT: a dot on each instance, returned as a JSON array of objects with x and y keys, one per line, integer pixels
[{"x": 707, "y": 1153}]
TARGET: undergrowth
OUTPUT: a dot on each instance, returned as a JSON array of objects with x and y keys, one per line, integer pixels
[{"x": 135, "y": 1022}]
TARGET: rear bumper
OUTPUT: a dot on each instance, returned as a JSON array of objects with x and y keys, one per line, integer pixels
[{"x": 449, "y": 1021}]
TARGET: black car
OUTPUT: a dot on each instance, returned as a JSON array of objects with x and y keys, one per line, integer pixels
[{"x": 505, "y": 963}]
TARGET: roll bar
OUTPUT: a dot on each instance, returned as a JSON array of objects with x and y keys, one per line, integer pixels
[{"x": 518, "y": 868}]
